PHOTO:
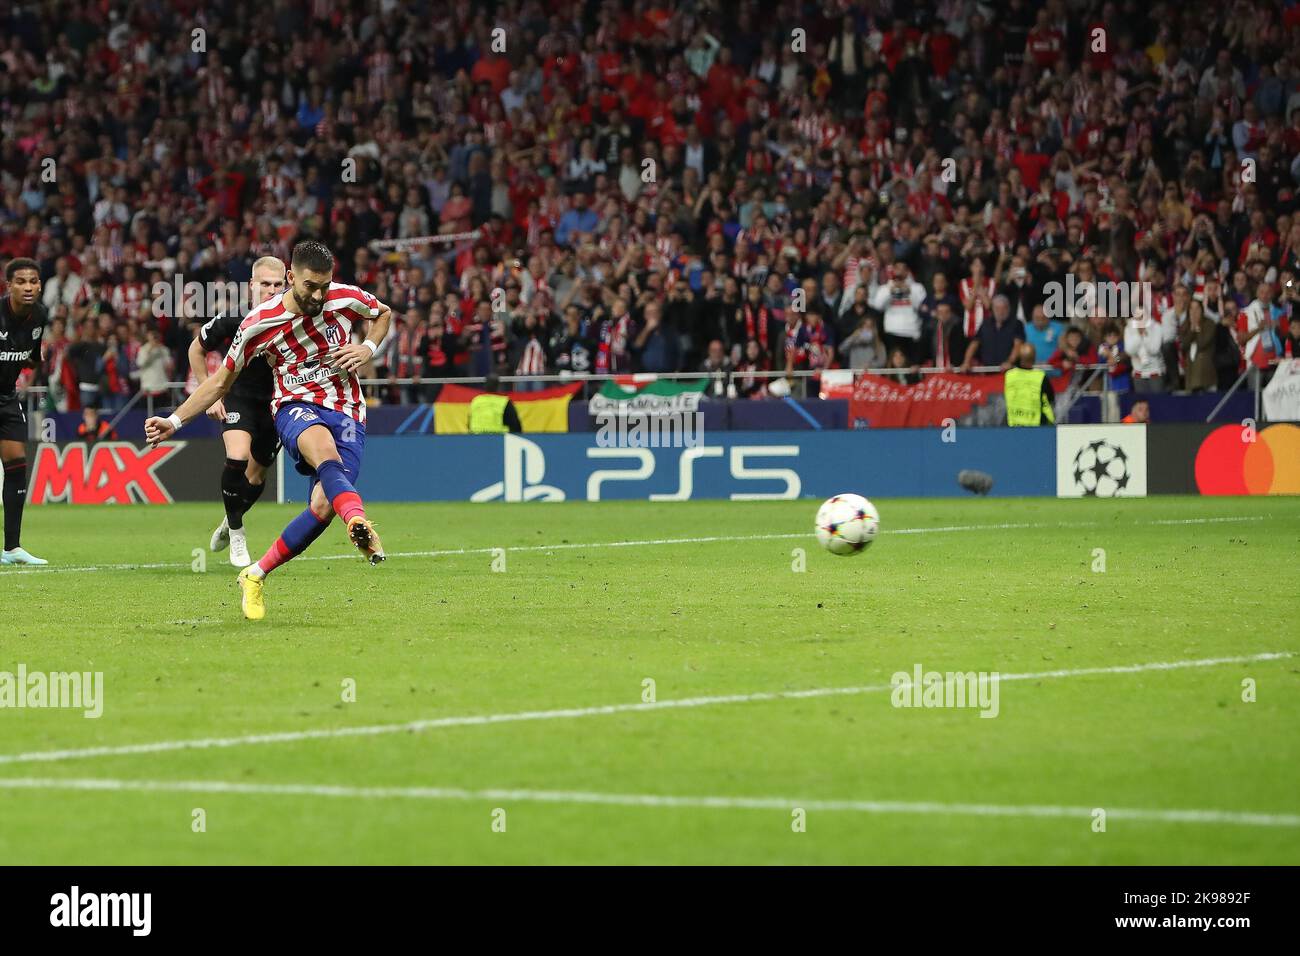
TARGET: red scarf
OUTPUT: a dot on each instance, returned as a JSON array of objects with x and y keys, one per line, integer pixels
[
  {"x": 941, "y": 357},
  {"x": 760, "y": 332}
]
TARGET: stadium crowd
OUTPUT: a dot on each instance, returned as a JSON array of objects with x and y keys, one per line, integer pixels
[{"x": 653, "y": 186}]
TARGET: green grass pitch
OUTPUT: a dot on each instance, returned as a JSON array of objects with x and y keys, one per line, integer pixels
[{"x": 1012, "y": 586}]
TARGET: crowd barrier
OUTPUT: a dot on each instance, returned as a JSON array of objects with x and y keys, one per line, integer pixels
[{"x": 790, "y": 414}]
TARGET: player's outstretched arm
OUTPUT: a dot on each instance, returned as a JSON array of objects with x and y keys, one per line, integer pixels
[{"x": 212, "y": 389}]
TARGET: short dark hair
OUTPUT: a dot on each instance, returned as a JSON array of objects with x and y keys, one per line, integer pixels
[
  {"x": 314, "y": 255},
  {"x": 492, "y": 383},
  {"x": 15, "y": 264}
]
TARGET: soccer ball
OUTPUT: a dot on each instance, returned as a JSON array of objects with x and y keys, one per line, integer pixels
[{"x": 846, "y": 524}]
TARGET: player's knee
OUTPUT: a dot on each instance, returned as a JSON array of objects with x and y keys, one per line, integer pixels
[{"x": 322, "y": 510}]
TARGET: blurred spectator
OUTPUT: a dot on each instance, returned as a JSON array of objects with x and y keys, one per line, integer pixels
[
  {"x": 1139, "y": 414},
  {"x": 92, "y": 428},
  {"x": 1044, "y": 335},
  {"x": 900, "y": 299},
  {"x": 717, "y": 365},
  {"x": 1259, "y": 327},
  {"x": 1197, "y": 343},
  {"x": 63, "y": 288},
  {"x": 657, "y": 343},
  {"x": 435, "y": 354},
  {"x": 863, "y": 346},
  {"x": 1291, "y": 344},
  {"x": 716, "y": 360},
  {"x": 996, "y": 342},
  {"x": 1075, "y": 350},
  {"x": 1229, "y": 361},
  {"x": 84, "y": 354},
  {"x": 1172, "y": 321},
  {"x": 947, "y": 338},
  {"x": 747, "y": 384},
  {"x": 1144, "y": 343},
  {"x": 1118, "y": 367}
]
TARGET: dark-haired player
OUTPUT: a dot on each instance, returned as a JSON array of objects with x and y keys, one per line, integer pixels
[
  {"x": 247, "y": 428},
  {"x": 320, "y": 413},
  {"x": 22, "y": 323}
]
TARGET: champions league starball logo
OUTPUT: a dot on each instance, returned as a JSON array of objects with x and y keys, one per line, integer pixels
[{"x": 1101, "y": 469}]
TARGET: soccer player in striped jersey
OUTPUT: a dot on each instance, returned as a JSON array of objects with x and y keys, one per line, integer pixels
[{"x": 320, "y": 414}]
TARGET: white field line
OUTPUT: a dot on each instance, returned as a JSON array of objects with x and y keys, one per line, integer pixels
[
  {"x": 497, "y": 795},
  {"x": 476, "y": 720},
  {"x": 647, "y": 542}
]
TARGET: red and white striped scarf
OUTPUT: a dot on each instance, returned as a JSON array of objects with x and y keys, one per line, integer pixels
[
  {"x": 533, "y": 359},
  {"x": 407, "y": 343},
  {"x": 756, "y": 323}
]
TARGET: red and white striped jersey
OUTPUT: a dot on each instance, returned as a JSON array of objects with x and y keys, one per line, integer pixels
[
  {"x": 966, "y": 291},
  {"x": 295, "y": 346},
  {"x": 127, "y": 297}
]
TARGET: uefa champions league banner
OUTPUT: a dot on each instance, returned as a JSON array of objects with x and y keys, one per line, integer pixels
[
  {"x": 738, "y": 466},
  {"x": 1103, "y": 461}
]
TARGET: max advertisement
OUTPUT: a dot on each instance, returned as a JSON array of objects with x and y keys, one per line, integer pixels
[{"x": 123, "y": 472}]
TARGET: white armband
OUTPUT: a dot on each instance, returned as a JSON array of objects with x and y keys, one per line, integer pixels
[
  {"x": 370, "y": 345},
  {"x": 175, "y": 421}
]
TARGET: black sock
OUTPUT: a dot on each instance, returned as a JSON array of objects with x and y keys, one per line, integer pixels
[
  {"x": 252, "y": 492},
  {"x": 233, "y": 489},
  {"x": 15, "y": 493}
]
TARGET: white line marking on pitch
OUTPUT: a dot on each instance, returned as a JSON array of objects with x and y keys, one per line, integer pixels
[
  {"x": 650, "y": 800},
  {"x": 649, "y": 542},
  {"x": 474, "y": 720}
]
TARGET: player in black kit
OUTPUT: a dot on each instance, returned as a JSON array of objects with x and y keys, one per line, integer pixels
[
  {"x": 22, "y": 323},
  {"x": 247, "y": 428}
]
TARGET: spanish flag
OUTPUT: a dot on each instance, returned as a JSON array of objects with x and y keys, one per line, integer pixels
[{"x": 544, "y": 411}]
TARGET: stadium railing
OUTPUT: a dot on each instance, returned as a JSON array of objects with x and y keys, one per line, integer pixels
[
  {"x": 593, "y": 380},
  {"x": 803, "y": 384},
  {"x": 1252, "y": 374}
]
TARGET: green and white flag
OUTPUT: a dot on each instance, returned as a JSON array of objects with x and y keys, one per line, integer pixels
[{"x": 647, "y": 394}]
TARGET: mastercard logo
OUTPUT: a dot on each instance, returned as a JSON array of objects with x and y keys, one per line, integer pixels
[{"x": 1269, "y": 465}]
